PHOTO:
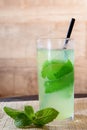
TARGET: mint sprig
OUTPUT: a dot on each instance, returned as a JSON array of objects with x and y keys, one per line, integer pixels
[{"x": 29, "y": 118}]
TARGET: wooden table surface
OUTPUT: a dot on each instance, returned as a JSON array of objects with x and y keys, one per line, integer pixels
[{"x": 79, "y": 123}]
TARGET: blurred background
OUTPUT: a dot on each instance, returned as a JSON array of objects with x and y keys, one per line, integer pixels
[{"x": 21, "y": 23}]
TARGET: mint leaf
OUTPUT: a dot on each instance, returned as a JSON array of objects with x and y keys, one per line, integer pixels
[
  {"x": 13, "y": 113},
  {"x": 50, "y": 68},
  {"x": 61, "y": 83},
  {"x": 22, "y": 121},
  {"x": 59, "y": 74},
  {"x": 29, "y": 112},
  {"x": 65, "y": 69},
  {"x": 45, "y": 116}
]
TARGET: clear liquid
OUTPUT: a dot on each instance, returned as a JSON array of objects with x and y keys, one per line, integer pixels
[{"x": 61, "y": 99}]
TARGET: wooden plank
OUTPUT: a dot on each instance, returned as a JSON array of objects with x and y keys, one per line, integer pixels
[
  {"x": 23, "y": 37},
  {"x": 18, "y": 81},
  {"x": 65, "y": 7},
  {"x": 21, "y": 22}
]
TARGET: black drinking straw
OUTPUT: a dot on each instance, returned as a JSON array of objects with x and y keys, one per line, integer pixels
[{"x": 69, "y": 31}]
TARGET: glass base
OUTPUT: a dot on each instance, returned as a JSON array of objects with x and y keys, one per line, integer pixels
[{"x": 61, "y": 122}]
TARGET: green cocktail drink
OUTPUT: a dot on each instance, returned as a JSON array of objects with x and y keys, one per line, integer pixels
[{"x": 56, "y": 80}]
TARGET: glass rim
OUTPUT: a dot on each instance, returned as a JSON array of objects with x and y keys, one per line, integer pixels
[{"x": 54, "y": 38}]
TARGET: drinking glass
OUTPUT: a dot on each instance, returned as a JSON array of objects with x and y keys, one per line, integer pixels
[{"x": 55, "y": 62}]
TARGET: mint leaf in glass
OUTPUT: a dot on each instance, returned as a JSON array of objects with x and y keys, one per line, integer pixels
[
  {"x": 65, "y": 69},
  {"x": 59, "y": 74},
  {"x": 45, "y": 116},
  {"x": 51, "y": 68},
  {"x": 61, "y": 83}
]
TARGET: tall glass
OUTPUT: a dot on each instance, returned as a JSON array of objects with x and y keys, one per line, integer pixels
[{"x": 56, "y": 75}]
